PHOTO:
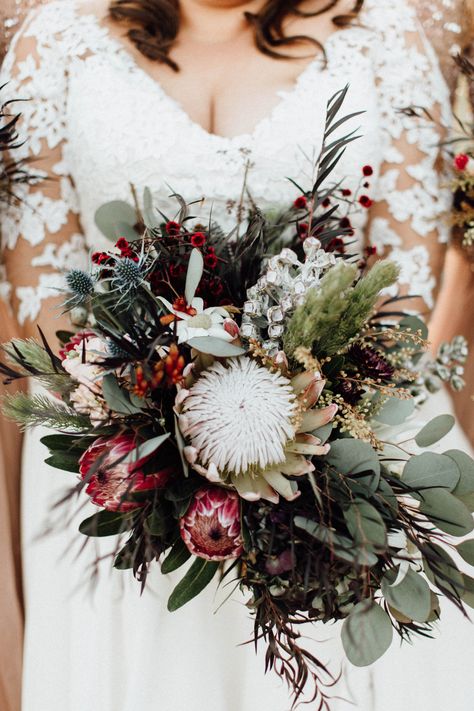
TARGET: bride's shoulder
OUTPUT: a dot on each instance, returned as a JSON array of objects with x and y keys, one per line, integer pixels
[{"x": 62, "y": 27}]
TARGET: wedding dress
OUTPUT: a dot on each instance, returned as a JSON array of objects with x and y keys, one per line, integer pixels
[{"x": 104, "y": 123}]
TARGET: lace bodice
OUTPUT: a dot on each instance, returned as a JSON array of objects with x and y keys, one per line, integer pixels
[{"x": 84, "y": 89}]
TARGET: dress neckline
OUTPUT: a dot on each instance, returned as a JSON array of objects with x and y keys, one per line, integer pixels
[{"x": 314, "y": 66}]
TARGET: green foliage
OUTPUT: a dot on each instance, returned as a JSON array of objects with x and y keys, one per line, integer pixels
[
  {"x": 116, "y": 219},
  {"x": 33, "y": 410},
  {"x": 106, "y": 523},
  {"x": 31, "y": 358},
  {"x": 177, "y": 557},
  {"x": 435, "y": 430},
  {"x": 196, "y": 579},
  {"x": 335, "y": 311},
  {"x": 411, "y": 596},
  {"x": 366, "y": 634}
]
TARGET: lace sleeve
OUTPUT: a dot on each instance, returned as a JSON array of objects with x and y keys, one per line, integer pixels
[
  {"x": 412, "y": 200},
  {"x": 40, "y": 236}
]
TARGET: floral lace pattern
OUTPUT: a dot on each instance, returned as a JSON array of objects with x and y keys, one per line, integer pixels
[{"x": 84, "y": 88}]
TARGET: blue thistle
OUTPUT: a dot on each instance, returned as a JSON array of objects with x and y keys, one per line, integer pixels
[
  {"x": 116, "y": 351},
  {"x": 128, "y": 275},
  {"x": 80, "y": 284}
]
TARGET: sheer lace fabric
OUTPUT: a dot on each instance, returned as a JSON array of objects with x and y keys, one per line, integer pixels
[{"x": 83, "y": 89}]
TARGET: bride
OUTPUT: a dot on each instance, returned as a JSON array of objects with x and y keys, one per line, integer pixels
[{"x": 195, "y": 95}]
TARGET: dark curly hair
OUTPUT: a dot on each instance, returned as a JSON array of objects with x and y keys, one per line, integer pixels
[{"x": 154, "y": 25}]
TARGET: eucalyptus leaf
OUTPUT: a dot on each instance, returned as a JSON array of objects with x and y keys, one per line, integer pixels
[
  {"x": 341, "y": 546},
  {"x": 177, "y": 557},
  {"x": 193, "y": 275},
  {"x": 366, "y": 525},
  {"x": 443, "y": 571},
  {"x": 123, "y": 229},
  {"x": 196, "y": 579},
  {"x": 411, "y": 597},
  {"x": 366, "y": 633},
  {"x": 323, "y": 433},
  {"x": 117, "y": 399},
  {"x": 466, "y": 551},
  {"x": 216, "y": 347},
  {"x": 395, "y": 411},
  {"x": 106, "y": 523},
  {"x": 110, "y": 215},
  {"x": 149, "y": 215},
  {"x": 465, "y": 464},
  {"x": 351, "y": 456},
  {"x": 435, "y": 430},
  {"x": 386, "y": 496},
  {"x": 468, "y": 592},
  {"x": 427, "y": 470},
  {"x": 414, "y": 324},
  {"x": 447, "y": 512}
]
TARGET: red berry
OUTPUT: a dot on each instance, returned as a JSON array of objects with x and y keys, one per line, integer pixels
[
  {"x": 198, "y": 239},
  {"x": 367, "y": 170},
  {"x": 365, "y": 201},
  {"x": 210, "y": 260},
  {"x": 173, "y": 228},
  {"x": 122, "y": 243},
  {"x": 300, "y": 202},
  {"x": 461, "y": 161}
]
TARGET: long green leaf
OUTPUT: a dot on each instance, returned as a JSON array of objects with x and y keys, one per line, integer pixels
[{"x": 196, "y": 579}]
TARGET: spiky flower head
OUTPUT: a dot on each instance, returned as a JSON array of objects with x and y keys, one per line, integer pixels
[
  {"x": 370, "y": 363},
  {"x": 247, "y": 427},
  {"x": 80, "y": 284},
  {"x": 128, "y": 275}
]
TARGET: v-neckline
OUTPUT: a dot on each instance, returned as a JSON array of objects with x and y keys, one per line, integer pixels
[{"x": 282, "y": 95}]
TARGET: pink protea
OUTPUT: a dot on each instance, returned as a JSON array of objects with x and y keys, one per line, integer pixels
[
  {"x": 211, "y": 527},
  {"x": 113, "y": 480}
]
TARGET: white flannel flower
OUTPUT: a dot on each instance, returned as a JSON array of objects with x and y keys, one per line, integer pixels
[{"x": 213, "y": 321}]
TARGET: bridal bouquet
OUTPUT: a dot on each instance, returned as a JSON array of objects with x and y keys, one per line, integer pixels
[{"x": 240, "y": 407}]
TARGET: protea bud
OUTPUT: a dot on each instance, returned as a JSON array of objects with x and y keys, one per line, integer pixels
[
  {"x": 112, "y": 480},
  {"x": 211, "y": 527}
]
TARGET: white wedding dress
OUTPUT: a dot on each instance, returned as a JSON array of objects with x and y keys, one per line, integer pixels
[{"x": 105, "y": 123}]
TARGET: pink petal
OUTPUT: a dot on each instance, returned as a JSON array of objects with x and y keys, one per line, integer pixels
[{"x": 313, "y": 419}]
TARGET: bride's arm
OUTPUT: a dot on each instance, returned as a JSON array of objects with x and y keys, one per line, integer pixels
[
  {"x": 409, "y": 219},
  {"x": 41, "y": 236}
]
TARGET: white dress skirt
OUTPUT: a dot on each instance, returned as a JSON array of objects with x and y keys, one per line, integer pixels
[{"x": 96, "y": 644}]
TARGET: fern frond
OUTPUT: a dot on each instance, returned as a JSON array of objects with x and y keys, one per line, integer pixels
[{"x": 34, "y": 410}]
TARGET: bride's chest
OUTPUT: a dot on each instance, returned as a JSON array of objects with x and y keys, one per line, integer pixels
[{"x": 124, "y": 128}]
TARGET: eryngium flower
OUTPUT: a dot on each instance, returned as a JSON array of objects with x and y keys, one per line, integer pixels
[
  {"x": 112, "y": 479},
  {"x": 370, "y": 363},
  {"x": 247, "y": 426},
  {"x": 211, "y": 526}
]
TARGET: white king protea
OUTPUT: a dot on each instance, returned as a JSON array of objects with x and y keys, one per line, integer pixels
[{"x": 249, "y": 427}]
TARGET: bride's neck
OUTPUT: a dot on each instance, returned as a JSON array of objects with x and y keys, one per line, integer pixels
[{"x": 222, "y": 19}]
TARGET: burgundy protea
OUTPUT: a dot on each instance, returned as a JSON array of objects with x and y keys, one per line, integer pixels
[
  {"x": 211, "y": 527},
  {"x": 113, "y": 480},
  {"x": 370, "y": 362},
  {"x": 349, "y": 391}
]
